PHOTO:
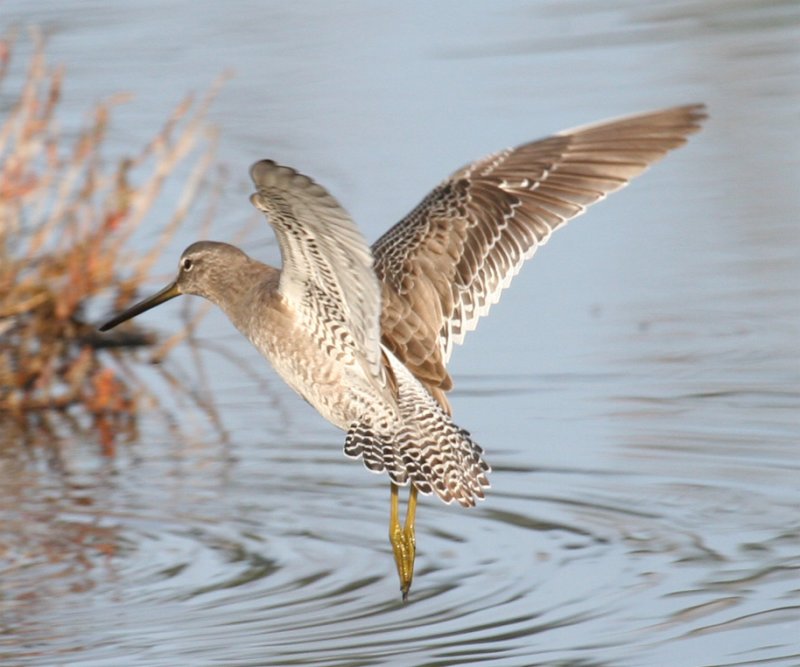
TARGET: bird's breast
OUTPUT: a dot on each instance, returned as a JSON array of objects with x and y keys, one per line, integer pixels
[{"x": 327, "y": 375}]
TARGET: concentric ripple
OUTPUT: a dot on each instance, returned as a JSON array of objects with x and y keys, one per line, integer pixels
[{"x": 276, "y": 553}]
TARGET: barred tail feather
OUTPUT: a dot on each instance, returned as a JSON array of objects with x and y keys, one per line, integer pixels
[
  {"x": 363, "y": 441},
  {"x": 425, "y": 447}
]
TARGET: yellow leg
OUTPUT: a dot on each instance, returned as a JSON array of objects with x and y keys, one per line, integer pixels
[{"x": 403, "y": 541}]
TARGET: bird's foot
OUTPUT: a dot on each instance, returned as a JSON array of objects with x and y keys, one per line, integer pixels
[{"x": 404, "y": 545}]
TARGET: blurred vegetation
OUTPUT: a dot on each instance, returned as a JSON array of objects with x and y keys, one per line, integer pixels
[{"x": 67, "y": 213}]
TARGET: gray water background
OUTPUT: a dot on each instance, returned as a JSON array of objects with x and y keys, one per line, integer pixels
[{"x": 637, "y": 389}]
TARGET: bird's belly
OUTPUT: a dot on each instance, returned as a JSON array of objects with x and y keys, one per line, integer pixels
[{"x": 332, "y": 381}]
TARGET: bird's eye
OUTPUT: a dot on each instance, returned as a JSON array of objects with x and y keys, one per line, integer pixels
[{"x": 186, "y": 264}]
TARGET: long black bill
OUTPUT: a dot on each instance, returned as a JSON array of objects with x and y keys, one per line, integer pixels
[{"x": 169, "y": 292}]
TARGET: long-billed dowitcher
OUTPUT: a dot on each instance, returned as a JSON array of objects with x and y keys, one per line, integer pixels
[{"x": 364, "y": 334}]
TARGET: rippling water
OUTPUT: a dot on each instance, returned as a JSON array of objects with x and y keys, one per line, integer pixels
[{"x": 637, "y": 390}]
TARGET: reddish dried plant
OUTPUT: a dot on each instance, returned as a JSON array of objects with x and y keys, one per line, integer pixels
[{"x": 66, "y": 216}]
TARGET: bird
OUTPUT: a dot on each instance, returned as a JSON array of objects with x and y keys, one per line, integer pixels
[{"x": 364, "y": 333}]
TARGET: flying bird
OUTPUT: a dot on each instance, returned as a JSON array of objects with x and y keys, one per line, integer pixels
[{"x": 364, "y": 334}]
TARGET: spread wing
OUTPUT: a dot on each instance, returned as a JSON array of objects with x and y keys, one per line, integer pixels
[
  {"x": 445, "y": 264},
  {"x": 327, "y": 273}
]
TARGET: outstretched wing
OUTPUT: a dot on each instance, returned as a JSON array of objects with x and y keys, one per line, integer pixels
[
  {"x": 327, "y": 273},
  {"x": 445, "y": 264}
]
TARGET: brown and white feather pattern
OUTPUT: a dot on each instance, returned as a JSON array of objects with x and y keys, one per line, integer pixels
[
  {"x": 327, "y": 272},
  {"x": 329, "y": 280},
  {"x": 445, "y": 264},
  {"x": 436, "y": 273},
  {"x": 423, "y": 447}
]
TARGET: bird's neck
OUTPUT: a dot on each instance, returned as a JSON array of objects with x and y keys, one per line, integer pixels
[{"x": 245, "y": 291}]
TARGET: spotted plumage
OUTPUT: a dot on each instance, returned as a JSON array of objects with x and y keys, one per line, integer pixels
[
  {"x": 445, "y": 265},
  {"x": 364, "y": 334}
]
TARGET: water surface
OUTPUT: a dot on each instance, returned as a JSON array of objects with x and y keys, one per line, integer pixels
[{"x": 637, "y": 390}]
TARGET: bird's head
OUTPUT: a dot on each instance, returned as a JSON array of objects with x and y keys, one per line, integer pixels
[{"x": 205, "y": 269}]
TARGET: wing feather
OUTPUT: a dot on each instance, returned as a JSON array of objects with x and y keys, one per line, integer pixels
[
  {"x": 446, "y": 263},
  {"x": 327, "y": 273}
]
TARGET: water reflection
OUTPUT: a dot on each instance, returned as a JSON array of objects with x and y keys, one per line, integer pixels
[{"x": 257, "y": 546}]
